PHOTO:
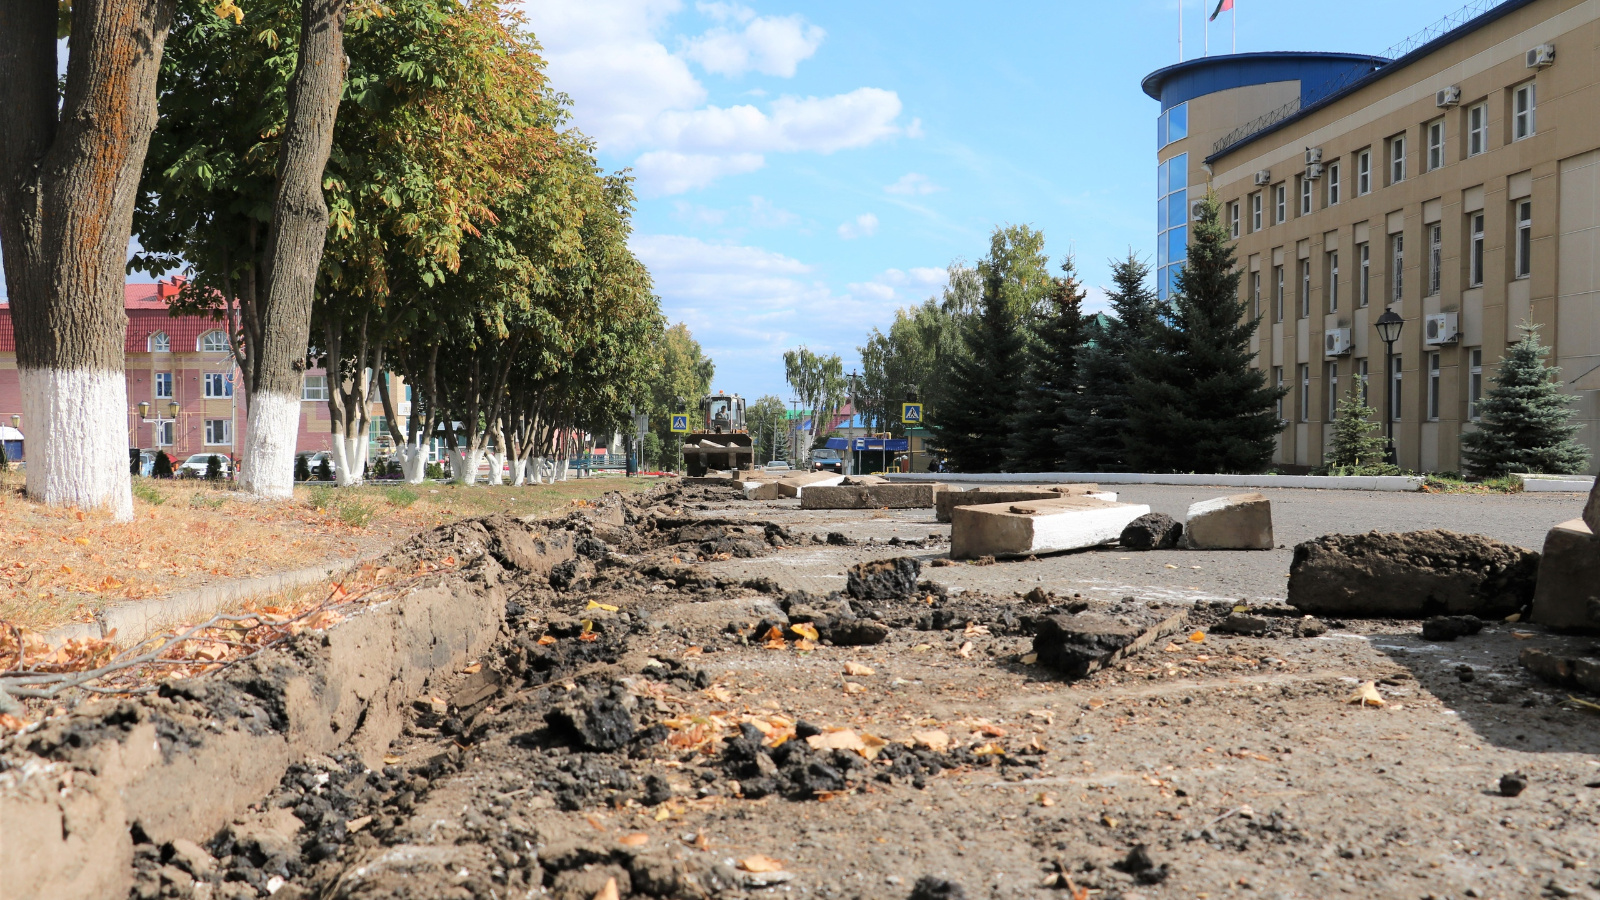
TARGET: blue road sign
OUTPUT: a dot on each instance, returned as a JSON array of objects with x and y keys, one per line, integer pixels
[
  {"x": 911, "y": 413},
  {"x": 680, "y": 422}
]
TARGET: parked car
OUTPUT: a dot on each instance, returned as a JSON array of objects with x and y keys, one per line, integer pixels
[
  {"x": 196, "y": 465},
  {"x": 147, "y": 463},
  {"x": 313, "y": 460},
  {"x": 778, "y": 465},
  {"x": 826, "y": 460}
]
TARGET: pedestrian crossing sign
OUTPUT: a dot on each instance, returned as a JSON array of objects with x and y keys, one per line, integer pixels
[
  {"x": 911, "y": 413},
  {"x": 680, "y": 422}
]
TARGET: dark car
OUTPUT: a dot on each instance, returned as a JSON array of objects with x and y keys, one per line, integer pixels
[{"x": 825, "y": 460}]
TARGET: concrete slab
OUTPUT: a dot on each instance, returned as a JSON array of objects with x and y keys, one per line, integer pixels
[
  {"x": 1038, "y": 526},
  {"x": 1568, "y": 595},
  {"x": 1079, "y": 644},
  {"x": 871, "y": 496},
  {"x": 1239, "y": 522},
  {"x": 795, "y": 486},
  {"x": 956, "y": 496}
]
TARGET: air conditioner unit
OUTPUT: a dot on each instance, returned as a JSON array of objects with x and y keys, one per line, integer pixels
[
  {"x": 1450, "y": 96},
  {"x": 1541, "y": 56},
  {"x": 1440, "y": 329},
  {"x": 1313, "y": 155},
  {"x": 1196, "y": 208},
  {"x": 1264, "y": 177},
  {"x": 1336, "y": 342},
  {"x": 1314, "y": 171}
]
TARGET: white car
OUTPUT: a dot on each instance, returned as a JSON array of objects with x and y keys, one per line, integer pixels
[
  {"x": 195, "y": 466},
  {"x": 778, "y": 466}
]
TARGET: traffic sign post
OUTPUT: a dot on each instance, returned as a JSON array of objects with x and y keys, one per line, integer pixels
[
  {"x": 911, "y": 414},
  {"x": 680, "y": 422}
]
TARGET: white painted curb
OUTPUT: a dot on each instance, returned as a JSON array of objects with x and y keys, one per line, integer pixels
[
  {"x": 1577, "y": 484},
  {"x": 1311, "y": 482}
]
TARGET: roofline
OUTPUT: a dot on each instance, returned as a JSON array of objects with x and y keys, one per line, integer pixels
[
  {"x": 1449, "y": 37},
  {"x": 1151, "y": 84}
]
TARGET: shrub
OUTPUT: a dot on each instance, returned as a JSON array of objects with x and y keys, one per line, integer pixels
[
  {"x": 213, "y": 468},
  {"x": 148, "y": 494},
  {"x": 324, "y": 470},
  {"x": 356, "y": 514},
  {"x": 302, "y": 468},
  {"x": 402, "y": 497},
  {"x": 163, "y": 465},
  {"x": 321, "y": 498},
  {"x": 1527, "y": 420},
  {"x": 204, "y": 500},
  {"x": 434, "y": 471}
]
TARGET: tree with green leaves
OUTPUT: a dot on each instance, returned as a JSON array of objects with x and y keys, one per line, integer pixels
[
  {"x": 682, "y": 378},
  {"x": 1055, "y": 336},
  {"x": 768, "y": 420},
  {"x": 1196, "y": 403},
  {"x": 819, "y": 384},
  {"x": 1358, "y": 447},
  {"x": 980, "y": 402},
  {"x": 1526, "y": 419},
  {"x": 1097, "y": 415}
]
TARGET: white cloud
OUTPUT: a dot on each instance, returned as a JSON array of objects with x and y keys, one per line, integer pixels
[
  {"x": 764, "y": 215},
  {"x": 899, "y": 284},
  {"x": 864, "y": 225},
  {"x": 796, "y": 124},
  {"x": 912, "y": 183},
  {"x": 698, "y": 215},
  {"x": 914, "y": 130},
  {"x": 725, "y": 12},
  {"x": 663, "y": 173},
  {"x": 771, "y": 45},
  {"x": 872, "y": 290}
]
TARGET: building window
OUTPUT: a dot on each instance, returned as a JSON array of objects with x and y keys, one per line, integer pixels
[
  {"x": 163, "y": 385},
  {"x": 1394, "y": 387},
  {"x": 1172, "y": 125},
  {"x": 1277, "y": 298},
  {"x": 1306, "y": 185},
  {"x": 1397, "y": 159},
  {"x": 1255, "y": 292},
  {"x": 1255, "y": 211},
  {"x": 1233, "y": 218},
  {"x": 1305, "y": 393},
  {"x": 213, "y": 342},
  {"x": 1172, "y": 220},
  {"x": 1474, "y": 382},
  {"x": 1280, "y": 200},
  {"x": 1333, "y": 391},
  {"x": 1475, "y": 253},
  {"x": 1524, "y": 104},
  {"x": 1364, "y": 287},
  {"x": 1524, "y": 238},
  {"x": 1397, "y": 262},
  {"x": 1477, "y": 129},
  {"x": 315, "y": 388},
  {"x": 1436, "y": 144},
  {"x": 1361, "y": 374},
  {"x": 1333, "y": 282},
  {"x": 218, "y": 386},
  {"x": 1277, "y": 379},
  {"x": 1333, "y": 184},
  {"x": 1433, "y": 387},
  {"x": 1305, "y": 288},
  {"x": 160, "y": 343},
  {"x": 1363, "y": 173},
  {"x": 1435, "y": 257},
  {"x": 219, "y": 432},
  {"x": 163, "y": 433}
]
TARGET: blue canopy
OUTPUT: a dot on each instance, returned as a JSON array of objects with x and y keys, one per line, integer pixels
[{"x": 876, "y": 444}]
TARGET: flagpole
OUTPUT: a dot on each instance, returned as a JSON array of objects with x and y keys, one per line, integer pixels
[
  {"x": 1180, "y": 30},
  {"x": 1233, "y": 22},
  {"x": 1208, "y": 28}
]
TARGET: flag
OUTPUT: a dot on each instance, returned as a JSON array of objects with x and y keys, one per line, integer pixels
[{"x": 1222, "y": 7}]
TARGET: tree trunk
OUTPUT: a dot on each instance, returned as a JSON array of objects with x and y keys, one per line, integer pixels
[
  {"x": 294, "y": 252},
  {"x": 68, "y": 178}
]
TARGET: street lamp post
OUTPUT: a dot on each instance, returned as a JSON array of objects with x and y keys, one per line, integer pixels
[{"x": 1389, "y": 326}]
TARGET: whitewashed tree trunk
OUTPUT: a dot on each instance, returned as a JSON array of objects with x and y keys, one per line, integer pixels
[
  {"x": 519, "y": 472},
  {"x": 465, "y": 465},
  {"x": 413, "y": 463},
  {"x": 77, "y": 430},
  {"x": 497, "y": 461},
  {"x": 269, "y": 442},
  {"x": 561, "y": 468}
]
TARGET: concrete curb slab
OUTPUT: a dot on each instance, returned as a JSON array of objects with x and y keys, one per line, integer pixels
[{"x": 1312, "y": 482}]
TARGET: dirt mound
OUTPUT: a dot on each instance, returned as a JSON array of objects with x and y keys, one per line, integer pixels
[
  {"x": 1411, "y": 575},
  {"x": 884, "y": 579},
  {"x": 1152, "y": 531}
]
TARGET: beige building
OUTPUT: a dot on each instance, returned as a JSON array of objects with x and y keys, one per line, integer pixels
[{"x": 1457, "y": 185}]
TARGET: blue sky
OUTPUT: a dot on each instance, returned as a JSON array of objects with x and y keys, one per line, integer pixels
[{"x": 806, "y": 168}]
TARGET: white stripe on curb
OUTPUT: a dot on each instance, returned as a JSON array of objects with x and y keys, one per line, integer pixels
[{"x": 1312, "y": 482}]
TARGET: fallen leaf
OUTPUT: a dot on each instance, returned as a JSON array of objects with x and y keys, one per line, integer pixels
[
  {"x": 850, "y": 687},
  {"x": 976, "y": 629},
  {"x": 547, "y": 640},
  {"x": 1514, "y": 617},
  {"x": 1047, "y": 799},
  {"x": 1198, "y": 637},
  {"x": 804, "y": 644},
  {"x": 1029, "y": 659},
  {"x": 759, "y": 863},
  {"x": 472, "y": 669},
  {"x": 837, "y": 739},
  {"x": 391, "y": 760},
  {"x": 1096, "y": 703},
  {"x": 637, "y": 839},
  {"x": 989, "y": 749},
  {"x": 718, "y": 693},
  {"x": 1171, "y": 566},
  {"x": 1521, "y": 635},
  {"x": 937, "y": 741},
  {"x": 355, "y": 825},
  {"x": 806, "y": 630},
  {"x": 965, "y": 651},
  {"x": 1171, "y": 648},
  {"x": 855, "y": 668},
  {"x": 1108, "y": 821},
  {"x": 874, "y": 745},
  {"x": 922, "y": 648},
  {"x": 605, "y": 606},
  {"x": 1366, "y": 695},
  {"x": 609, "y": 892},
  {"x": 588, "y": 637}
]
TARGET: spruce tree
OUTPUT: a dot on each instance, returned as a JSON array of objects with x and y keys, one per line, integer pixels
[
  {"x": 1359, "y": 447},
  {"x": 1526, "y": 420},
  {"x": 1195, "y": 402},
  {"x": 1054, "y": 339},
  {"x": 972, "y": 419},
  {"x": 1097, "y": 415}
]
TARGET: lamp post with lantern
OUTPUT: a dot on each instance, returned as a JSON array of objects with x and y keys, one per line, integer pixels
[
  {"x": 1389, "y": 326},
  {"x": 158, "y": 421}
]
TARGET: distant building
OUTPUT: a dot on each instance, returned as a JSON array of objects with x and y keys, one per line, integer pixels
[{"x": 1454, "y": 185}]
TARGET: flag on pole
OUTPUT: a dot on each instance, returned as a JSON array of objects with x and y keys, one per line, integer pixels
[{"x": 1222, "y": 7}]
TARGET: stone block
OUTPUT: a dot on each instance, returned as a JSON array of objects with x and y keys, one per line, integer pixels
[
  {"x": 1591, "y": 513},
  {"x": 1038, "y": 526},
  {"x": 1563, "y": 669},
  {"x": 953, "y": 497},
  {"x": 1568, "y": 595},
  {"x": 1411, "y": 575},
  {"x": 1078, "y": 644},
  {"x": 795, "y": 485},
  {"x": 870, "y": 496},
  {"x": 1156, "y": 531},
  {"x": 1240, "y": 522}
]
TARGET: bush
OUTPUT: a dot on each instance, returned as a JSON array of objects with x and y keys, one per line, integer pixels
[
  {"x": 324, "y": 470},
  {"x": 213, "y": 468},
  {"x": 321, "y": 498},
  {"x": 148, "y": 494},
  {"x": 302, "y": 468},
  {"x": 1527, "y": 421},
  {"x": 356, "y": 514},
  {"x": 402, "y": 497},
  {"x": 202, "y": 500},
  {"x": 434, "y": 471},
  {"x": 163, "y": 465}
]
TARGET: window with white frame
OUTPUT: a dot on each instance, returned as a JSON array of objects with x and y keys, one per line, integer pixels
[
  {"x": 1277, "y": 379},
  {"x": 1361, "y": 373},
  {"x": 1524, "y": 105},
  {"x": 1364, "y": 282},
  {"x": 1474, "y": 382},
  {"x": 1435, "y": 258},
  {"x": 1436, "y": 144},
  {"x": 1363, "y": 173},
  {"x": 1233, "y": 218},
  {"x": 1395, "y": 376},
  {"x": 218, "y": 386},
  {"x": 1255, "y": 211},
  {"x": 219, "y": 432},
  {"x": 1475, "y": 252},
  {"x": 1333, "y": 281},
  {"x": 1397, "y": 265},
  {"x": 1333, "y": 391},
  {"x": 1333, "y": 184},
  {"x": 315, "y": 387},
  {"x": 1306, "y": 185},
  {"x": 1434, "y": 372},
  {"x": 1524, "y": 238},
  {"x": 1277, "y": 298},
  {"x": 1305, "y": 288},
  {"x": 1281, "y": 204},
  {"x": 1305, "y": 393},
  {"x": 163, "y": 433},
  {"x": 1477, "y": 129},
  {"x": 160, "y": 342},
  {"x": 1397, "y": 159},
  {"x": 1255, "y": 292},
  {"x": 163, "y": 385},
  {"x": 213, "y": 342}
]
